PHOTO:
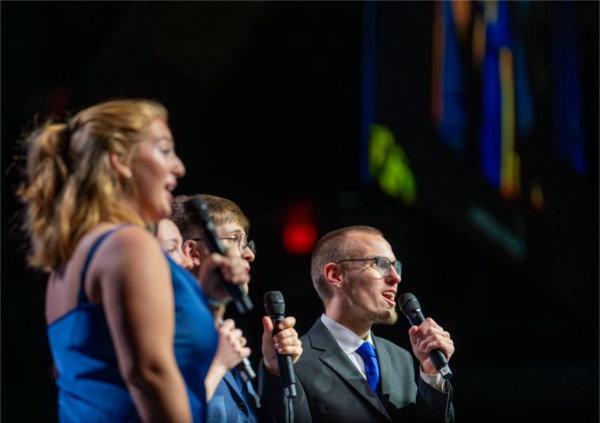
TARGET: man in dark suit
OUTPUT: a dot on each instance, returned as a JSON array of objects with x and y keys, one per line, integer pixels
[{"x": 347, "y": 374}]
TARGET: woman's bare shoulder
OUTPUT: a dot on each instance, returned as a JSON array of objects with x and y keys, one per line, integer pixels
[{"x": 131, "y": 248}]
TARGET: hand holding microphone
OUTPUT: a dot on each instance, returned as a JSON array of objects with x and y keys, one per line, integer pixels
[
  {"x": 432, "y": 346},
  {"x": 232, "y": 348},
  {"x": 282, "y": 339},
  {"x": 220, "y": 271},
  {"x": 281, "y": 346},
  {"x": 227, "y": 274},
  {"x": 244, "y": 367}
]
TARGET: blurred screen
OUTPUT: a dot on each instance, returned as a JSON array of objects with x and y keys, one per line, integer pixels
[{"x": 484, "y": 115}]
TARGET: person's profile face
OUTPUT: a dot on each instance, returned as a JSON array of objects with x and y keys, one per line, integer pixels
[
  {"x": 235, "y": 239},
  {"x": 155, "y": 169},
  {"x": 170, "y": 240}
]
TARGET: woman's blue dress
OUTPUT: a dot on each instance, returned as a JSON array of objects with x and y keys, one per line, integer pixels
[{"x": 91, "y": 388}]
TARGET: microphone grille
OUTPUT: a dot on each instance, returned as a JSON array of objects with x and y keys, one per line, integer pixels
[
  {"x": 408, "y": 303},
  {"x": 274, "y": 303}
]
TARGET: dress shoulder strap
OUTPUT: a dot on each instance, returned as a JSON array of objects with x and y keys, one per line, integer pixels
[{"x": 82, "y": 298}]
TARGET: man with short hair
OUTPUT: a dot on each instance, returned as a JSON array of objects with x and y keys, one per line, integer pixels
[
  {"x": 346, "y": 373},
  {"x": 235, "y": 399}
]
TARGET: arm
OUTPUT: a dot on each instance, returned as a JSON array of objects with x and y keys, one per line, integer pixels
[
  {"x": 433, "y": 405},
  {"x": 434, "y": 397},
  {"x": 230, "y": 353},
  {"x": 137, "y": 297},
  {"x": 285, "y": 342},
  {"x": 426, "y": 337}
]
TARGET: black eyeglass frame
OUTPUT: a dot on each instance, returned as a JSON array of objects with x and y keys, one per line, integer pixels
[{"x": 376, "y": 260}]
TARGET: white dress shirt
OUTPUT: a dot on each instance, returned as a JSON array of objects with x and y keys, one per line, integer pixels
[{"x": 349, "y": 342}]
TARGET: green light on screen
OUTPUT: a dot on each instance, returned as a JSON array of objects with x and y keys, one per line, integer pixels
[{"x": 388, "y": 164}]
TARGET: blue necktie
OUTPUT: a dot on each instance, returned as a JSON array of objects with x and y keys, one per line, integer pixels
[{"x": 367, "y": 352}]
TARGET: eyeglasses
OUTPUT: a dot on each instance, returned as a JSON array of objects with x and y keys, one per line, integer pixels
[
  {"x": 384, "y": 264},
  {"x": 241, "y": 242}
]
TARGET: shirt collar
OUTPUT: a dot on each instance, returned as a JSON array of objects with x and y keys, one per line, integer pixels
[{"x": 346, "y": 339}]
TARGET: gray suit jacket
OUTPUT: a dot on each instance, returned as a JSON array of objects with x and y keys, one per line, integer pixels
[{"x": 330, "y": 388}]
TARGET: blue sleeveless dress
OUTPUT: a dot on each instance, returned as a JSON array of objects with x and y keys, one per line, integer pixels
[{"x": 90, "y": 386}]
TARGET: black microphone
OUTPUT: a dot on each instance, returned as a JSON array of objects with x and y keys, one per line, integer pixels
[
  {"x": 275, "y": 308},
  {"x": 409, "y": 305},
  {"x": 198, "y": 209}
]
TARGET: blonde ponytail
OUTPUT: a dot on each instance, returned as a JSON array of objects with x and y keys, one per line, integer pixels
[
  {"x": 71, "y": 186},
  {"x": 47, "y": 173}
]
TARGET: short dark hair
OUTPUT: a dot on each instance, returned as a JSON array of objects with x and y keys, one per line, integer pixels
[{"x": 331, "y": 247}]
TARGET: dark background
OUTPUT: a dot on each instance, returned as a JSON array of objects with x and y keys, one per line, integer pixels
[{"x": 265, "y": 107}]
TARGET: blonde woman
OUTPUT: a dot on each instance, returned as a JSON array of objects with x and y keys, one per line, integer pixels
[{"x": 130, "y": 331}]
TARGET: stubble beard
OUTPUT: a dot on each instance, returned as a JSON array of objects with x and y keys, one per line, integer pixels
[{"x": 388, "y": 318}]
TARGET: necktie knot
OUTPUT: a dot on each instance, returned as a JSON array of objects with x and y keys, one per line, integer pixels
[{"x": 367, "y": 353}]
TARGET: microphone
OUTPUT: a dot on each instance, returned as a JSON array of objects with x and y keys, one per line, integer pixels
[
  {"x": 198, "y": 209},
  {"x": 275, "y": 308},
  {"x": 409, "y": 305},
  {"x": 246, "y": 370}
]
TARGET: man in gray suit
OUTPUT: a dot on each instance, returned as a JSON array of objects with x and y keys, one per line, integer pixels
[{"x": 347, "y": 374}]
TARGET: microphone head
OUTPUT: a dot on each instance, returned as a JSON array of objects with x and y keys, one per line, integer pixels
[
  {"x": 408, "y": 303},
  {"x": 198, "y": 209},
  {"x": 274, "y": 303}
]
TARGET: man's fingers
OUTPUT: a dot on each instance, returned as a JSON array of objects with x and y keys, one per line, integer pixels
[
  {"x": 287, "y": 342},
  {"x": 227, "y": 325},
  {"x": 215, "y": 260},
  {"x": 413, "y": 334},
  {"x": 294, "y": 351},
  {"x": 288, "y": 322},
  {"x": 288, "y": 333},
  {"x": 233, "y": 268},
  {"x": 433, "y": 342},
  {"x": 426, "y": 329},
  {"x": 432, "y": 323},
  {"x": 235, "y": 334},
  {"x": 439, "y": 345}
]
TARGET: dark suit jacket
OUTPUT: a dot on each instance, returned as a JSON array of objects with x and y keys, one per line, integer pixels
[
  {"x": 234, "y": 401},
  {"x": 330, "y": 388}
]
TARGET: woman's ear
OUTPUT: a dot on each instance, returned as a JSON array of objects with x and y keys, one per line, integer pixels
[
  {"x": 333, "y": 274},
  {"x": 121, "y": 168}
]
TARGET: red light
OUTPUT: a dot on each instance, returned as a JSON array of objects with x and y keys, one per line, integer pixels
[
  {"x": 299, "y": 238},
  {"x": 300, "y": 230}
]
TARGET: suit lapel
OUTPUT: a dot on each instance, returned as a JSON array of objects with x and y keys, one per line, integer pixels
[
  {"x": 253, "y": 395},
  {"x": 333, "y": 357},
  {"x": 250, "y": 397},
  {"x": 388, "y": 391},
  {"x": 233, "y": 386}
]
